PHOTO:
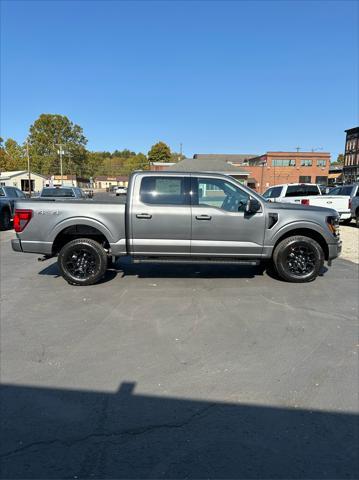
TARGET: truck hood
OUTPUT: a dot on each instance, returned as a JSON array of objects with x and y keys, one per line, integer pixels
[{"x": 274, "y": 206}]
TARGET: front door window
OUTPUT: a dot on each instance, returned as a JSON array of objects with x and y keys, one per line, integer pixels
[{"x": 219, "y": 193}]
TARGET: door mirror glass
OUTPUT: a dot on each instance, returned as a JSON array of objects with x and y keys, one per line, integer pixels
[{"x": 252, "y": 206}]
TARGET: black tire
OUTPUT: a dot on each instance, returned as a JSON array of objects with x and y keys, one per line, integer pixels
[
  {"x": 82, "y": 261},
  {"x": 298, "y": 259},
  {"x": 347, "y": 221},
  {"x": 5, "y": 219}
]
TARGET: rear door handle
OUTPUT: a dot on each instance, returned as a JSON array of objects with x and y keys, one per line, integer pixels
[
  {"x": 143, "y": 215},
  {"x": 203, "y": 217}
]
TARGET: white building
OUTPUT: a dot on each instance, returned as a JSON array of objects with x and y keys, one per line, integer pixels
[{"x": 20, "y": 179}]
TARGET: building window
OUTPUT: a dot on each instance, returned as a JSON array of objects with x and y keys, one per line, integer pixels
[
  {"x": 305, "y": 179},
  {"x": 321, "y": 163},
  {"x": 283, "y": 163},
  {"x": 306, "y": 162},
  {"x": 321, "y": 180}
]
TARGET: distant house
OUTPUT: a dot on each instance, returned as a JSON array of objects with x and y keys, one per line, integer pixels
[
  {"x": 20, "y": 179},
  {"x": 69, "y": 181},
  {"x": 104, "y": 182},
  {"x": 213, "y": 165}
]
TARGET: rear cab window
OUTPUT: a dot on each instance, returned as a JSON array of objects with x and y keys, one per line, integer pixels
[
  {"x": 302, "y": 190},
  {"x": 57, "y": 192},
  {"x": 164, "y": 190}
]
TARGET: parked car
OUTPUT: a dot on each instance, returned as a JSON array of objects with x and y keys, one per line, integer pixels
[
  {"x": 62, "y": 192},
  {"x": 354, "y": 207},
  {"x": 310, "y": 194},
  {"x": 8, "y": 196},
  {"x": 121, "y": 191},
  {"x": 178, "y": 218}
]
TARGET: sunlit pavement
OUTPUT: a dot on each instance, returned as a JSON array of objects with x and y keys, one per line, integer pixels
[{"x": 177, "y": 372}]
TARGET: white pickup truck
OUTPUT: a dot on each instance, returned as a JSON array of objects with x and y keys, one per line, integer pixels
[{"x": 310, "y": 194}]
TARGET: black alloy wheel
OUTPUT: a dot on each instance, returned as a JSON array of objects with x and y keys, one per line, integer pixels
[
  {"x": 298, "y": 259},
  {"x": 82, "y": 261}
]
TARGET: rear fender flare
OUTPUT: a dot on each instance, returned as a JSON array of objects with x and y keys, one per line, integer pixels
[{"x": 71, "y": 222}]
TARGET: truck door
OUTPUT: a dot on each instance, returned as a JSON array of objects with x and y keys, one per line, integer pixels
[
  {"x": 220, "y": 226},
  {"x": 160, "y": 215}
]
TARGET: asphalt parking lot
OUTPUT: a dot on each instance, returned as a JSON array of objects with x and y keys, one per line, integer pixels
[{"x": 177, "y": 372}]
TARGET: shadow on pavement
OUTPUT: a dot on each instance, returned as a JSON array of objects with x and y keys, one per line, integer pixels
[
  {"x": 124, "y": 268},
  {"x": 50, "y": 433}
]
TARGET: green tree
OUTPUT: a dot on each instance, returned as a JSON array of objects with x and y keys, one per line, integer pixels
[
  {"x": 176, "y": 157},
  {"x": 46, "y": 134},
  {"x": 339, "y": 160},
  {"x": 160, "y": 152},
  {"x": 12, "y": 156}
]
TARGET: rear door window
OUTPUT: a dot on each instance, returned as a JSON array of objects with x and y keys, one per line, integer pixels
[{"x": 164, "y": 190}]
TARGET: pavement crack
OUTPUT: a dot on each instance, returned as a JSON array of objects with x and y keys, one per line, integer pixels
[{"x": 110, "y": 435}]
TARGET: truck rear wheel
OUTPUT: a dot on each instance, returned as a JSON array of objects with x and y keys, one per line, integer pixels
[
  {"x": 82, "y": 261},
  {"x": 298, "y": 259}
]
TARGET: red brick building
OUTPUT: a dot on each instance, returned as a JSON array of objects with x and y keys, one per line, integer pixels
[{"x": 274, "y": 168}]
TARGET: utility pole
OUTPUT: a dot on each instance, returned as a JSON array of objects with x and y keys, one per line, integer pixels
[
  {"x": 61, "y": 152},
  {"x": 298, "y": 148},
  {"x": 28, "y": 166}
]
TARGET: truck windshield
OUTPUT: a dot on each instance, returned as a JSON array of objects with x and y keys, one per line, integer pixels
[
  {"x": 57, "y": 192},
  {"x": 272, "y": 192},
  {"x": 342, "y": 190}
]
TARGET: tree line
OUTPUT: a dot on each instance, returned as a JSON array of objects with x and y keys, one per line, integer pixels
[{"x": 51, "y": 133}]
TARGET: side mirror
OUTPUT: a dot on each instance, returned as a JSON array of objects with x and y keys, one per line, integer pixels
[{"x": 252, "y": 206}]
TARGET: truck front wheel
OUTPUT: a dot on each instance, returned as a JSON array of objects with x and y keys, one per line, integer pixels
[
  {"x": 298, "y": 259},
  {"x": 82, "y": 261}
]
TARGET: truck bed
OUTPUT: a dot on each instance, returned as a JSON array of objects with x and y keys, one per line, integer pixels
[{"x": 54, "y": 216}]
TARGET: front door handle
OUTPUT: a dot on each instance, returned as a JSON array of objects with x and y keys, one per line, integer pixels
[
  {"x": 143, "y": 215},
  {"x": 203, "y": 217}
]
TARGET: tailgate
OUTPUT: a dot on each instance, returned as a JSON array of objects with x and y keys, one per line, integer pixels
[{"x": 340, "y": 203}]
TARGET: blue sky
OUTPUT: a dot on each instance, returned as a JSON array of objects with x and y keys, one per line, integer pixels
[{"x": 225, "y": 77}]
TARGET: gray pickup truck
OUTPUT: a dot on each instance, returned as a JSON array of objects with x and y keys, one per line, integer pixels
[{"x": 182, "y": 218}]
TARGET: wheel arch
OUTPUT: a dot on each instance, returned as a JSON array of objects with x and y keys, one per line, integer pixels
[
  {"x": 80, "y": 230},
  {"x": 307, "y": 232}
]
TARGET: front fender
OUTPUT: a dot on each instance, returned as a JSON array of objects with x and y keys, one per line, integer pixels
[{"x": 275, "y": 235}]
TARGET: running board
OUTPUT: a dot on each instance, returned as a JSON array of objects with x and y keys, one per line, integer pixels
[{"x": 221, "y": 260}]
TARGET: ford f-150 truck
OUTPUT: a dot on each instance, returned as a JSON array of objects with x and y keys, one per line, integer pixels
[{"x": 179, "y": 217}]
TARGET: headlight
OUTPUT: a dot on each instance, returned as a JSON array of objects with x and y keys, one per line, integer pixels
[{"x": 333, "y": 224}]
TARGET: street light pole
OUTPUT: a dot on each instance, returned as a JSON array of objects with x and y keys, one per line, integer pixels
[{"x": 28, "y": 167}]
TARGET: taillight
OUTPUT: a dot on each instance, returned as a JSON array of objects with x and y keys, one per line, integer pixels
[
  {"x": 305, "y": 201},
  {"x": 21, "y": 219}
]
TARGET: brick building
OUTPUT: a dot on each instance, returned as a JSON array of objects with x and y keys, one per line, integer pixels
[
  {"x": 274, "y": 168},
  {"x": 351, "y": 157}
]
